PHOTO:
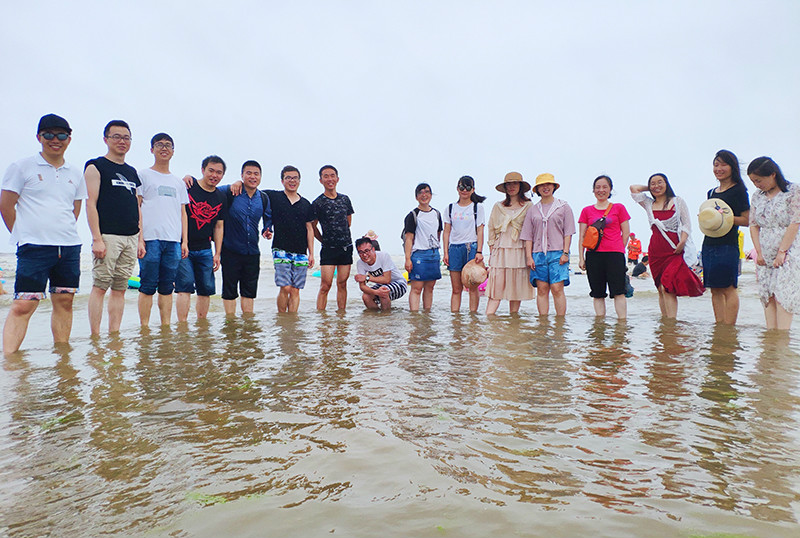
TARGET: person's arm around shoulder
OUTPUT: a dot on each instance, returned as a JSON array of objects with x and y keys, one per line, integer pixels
[{"x": 92, "y": 177}]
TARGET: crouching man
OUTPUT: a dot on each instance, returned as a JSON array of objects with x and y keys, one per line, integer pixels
[{"x": 380, "y": 280}]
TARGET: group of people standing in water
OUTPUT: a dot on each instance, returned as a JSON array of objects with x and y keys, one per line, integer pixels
[
  {"x": 529, "y": 244},
  {"x": 170, "y": 226}
]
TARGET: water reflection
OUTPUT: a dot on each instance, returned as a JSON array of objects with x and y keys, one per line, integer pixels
[{"x": 423, "y": 414}]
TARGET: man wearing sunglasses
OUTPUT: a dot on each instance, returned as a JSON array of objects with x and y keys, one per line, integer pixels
[{"x": 40, "y": 203}]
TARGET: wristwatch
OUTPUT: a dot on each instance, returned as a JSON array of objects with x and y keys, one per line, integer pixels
[
  {"x": 366, "y": 279},
  {"x": 565, "y": 253}
]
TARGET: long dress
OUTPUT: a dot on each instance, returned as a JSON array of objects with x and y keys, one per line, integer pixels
[
  {"x": 669, "y": 269},
  {"x": 508, "y": 275},
  {"x": 773, "y": 216}
]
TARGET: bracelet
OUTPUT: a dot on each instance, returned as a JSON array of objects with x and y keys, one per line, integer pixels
[
  {"x": 781, "y": 251},
  {"x": 565, "y": 253},
  {"x": 478, "y": 252}
]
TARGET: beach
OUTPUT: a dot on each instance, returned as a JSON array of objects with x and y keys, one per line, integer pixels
[{"x": 405, "y": 424}]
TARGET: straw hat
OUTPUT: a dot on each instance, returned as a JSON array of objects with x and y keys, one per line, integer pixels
[
  {"x": 715, "y": 217},
  {"x": 473, "y": 274},
  {"x": 514, "y": 177},
  {"x": 542, "y": 179}
]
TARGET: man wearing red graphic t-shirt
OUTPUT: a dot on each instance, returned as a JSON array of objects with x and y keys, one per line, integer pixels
[{"x": 206, "y": 210}]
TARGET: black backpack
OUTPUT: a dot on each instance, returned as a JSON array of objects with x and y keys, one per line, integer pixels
[{"x": 415, "y": 212}]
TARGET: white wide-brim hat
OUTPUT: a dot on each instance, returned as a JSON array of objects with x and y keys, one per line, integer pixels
[{"x": 715, "y": 217}]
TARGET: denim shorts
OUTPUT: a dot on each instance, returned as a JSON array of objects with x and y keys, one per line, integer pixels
[
  {"x": 159, "y": 267},
  {"x": 720, "y": 266},
  {"x": 36, "y": 264},
  {"x": 459, "y": 254},
  {"x": 426, "y": 266},
  {"x": 290, "y": 268},
  {"x": 196, "y": 273},
  {"x": 548, "y": 269}
]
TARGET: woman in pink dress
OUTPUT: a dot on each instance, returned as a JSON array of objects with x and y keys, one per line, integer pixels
[{"x": 671, "y": 249}]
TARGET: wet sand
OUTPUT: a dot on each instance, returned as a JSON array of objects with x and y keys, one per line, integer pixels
[{"x": 426, "y": 424}]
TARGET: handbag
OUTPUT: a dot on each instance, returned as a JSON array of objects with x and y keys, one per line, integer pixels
[{"x": 594, "y": 232}]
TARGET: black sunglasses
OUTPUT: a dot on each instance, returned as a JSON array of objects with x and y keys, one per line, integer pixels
[{"x": 50, "y": 136}]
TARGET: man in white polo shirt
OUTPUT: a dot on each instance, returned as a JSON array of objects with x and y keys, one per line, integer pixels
[{"x": 40, "y": 203}]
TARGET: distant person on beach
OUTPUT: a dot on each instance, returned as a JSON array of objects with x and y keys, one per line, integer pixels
[
  {"x": 605, "y": 264},
  {"x": 293, "y": 242},
  {"x": 334, "y": 213},
  {"x": 114, "y": 215},
  {"x": 40, "y": 203},
  {"x": 508, "y": 276},
  {"x": 721, "y": 250},
  {"x": 422, "y": 231},
  {"x": 241, "y": 256},
  {"x": 774, "y": 221},
  {"x": 380, "y": 280},
  {"x": 547, "y": 232},
  {"x": 462, "y": 240},
  {"x": 640, "y": 270},
  {"x": 634, "y": 249},
  {"x": 671, "y": 250},
  {"x": 206, "y": 220},
  {"x": 163, "y": 241}
]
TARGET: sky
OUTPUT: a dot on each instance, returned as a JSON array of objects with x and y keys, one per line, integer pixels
[{"x": 397, "y": 93}]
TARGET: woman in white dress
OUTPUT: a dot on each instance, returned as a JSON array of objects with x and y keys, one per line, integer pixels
[{"x": 774, "y": 220}]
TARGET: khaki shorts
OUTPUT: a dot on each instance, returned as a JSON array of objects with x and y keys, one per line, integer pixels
[{"x": 117, "y": 267}]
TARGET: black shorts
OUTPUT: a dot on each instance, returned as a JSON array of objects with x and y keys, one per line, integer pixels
[
  {"x": 239, "y": 274},
  {"x": 336, "y": 255},
  {"x": 605, "y": 268}
]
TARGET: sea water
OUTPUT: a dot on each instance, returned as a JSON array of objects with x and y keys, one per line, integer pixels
[{"x": 405, "y": 424}]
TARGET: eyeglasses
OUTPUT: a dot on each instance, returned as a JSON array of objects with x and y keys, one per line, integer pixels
[
  {"x": 117, "y": 138},
  {"x": 365, "y": 251},
  {"x": 163, "y": 145},
  {"x": 465, "y": 188},
  {"x": 50, "y": 136}
]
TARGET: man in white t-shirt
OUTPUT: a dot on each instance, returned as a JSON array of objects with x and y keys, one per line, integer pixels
[
  {"x": 163, "y": 240},
  {"x": 40, "y": 203},
  {"x": 380, "y": 280}
]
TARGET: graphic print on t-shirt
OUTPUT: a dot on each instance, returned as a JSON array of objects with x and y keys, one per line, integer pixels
[
  {"x": 376, "y": 272},
  {"x": 124, "y": 182},
  {"x": 203, "y": 212}
]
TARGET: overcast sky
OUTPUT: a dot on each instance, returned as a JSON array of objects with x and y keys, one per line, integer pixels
[{"x": 402, "y": 92}]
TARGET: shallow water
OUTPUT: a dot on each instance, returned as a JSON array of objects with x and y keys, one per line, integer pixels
[{"x": 365, "y": 424}]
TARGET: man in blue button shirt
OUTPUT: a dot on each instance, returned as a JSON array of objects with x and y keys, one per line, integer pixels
[{"x": 241, "y": 256}]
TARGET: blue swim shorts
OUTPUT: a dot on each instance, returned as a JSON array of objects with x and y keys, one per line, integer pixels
[
  {"x": 548, "y": 269},
  {"x": 290, "y": 268},
  {"x": 459, "y": 254},
  {"x": 426, "y": 265}
]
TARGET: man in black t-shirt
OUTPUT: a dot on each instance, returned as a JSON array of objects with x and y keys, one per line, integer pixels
[
  {"x": 293, "y": 243},
  {"x": 334, "y": 212},
  {"x": 113, "y": 213},
  {"x": 206, "y": 211}
]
